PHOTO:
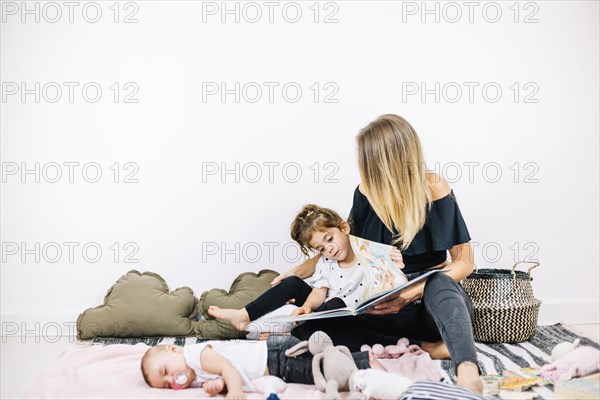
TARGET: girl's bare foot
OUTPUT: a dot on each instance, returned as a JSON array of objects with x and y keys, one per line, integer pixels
[
  {"x": 238, "y": 318},
  {"x": 214, "y": 387},
  {"x": 467, "y": 375},
  {"x": 437, "y": 350}
]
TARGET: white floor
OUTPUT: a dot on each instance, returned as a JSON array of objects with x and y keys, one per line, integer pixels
[{"x": 23, "y": 359}]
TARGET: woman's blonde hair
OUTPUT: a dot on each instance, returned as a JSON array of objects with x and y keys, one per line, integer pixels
[
  {"x": 311, "y": 219},
  {"x": 393, "y": 174}
]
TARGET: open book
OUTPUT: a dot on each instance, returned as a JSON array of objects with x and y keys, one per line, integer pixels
[{"x": 382, "y": 279}]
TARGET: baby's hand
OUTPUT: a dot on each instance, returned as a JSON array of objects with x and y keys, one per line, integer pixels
[
  {"x": 236, "y": 396},
  {"x": 396, "y": 257},
  {"x": 214, "y": 387}
]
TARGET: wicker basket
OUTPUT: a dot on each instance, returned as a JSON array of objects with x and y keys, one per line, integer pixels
[{"x": 505, "y": 310}]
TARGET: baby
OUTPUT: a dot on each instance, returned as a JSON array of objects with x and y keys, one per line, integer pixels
[{"x": 234, "y": 366}]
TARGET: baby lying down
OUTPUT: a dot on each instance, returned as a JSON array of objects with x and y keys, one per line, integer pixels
[{"x": 232, "y": 366}]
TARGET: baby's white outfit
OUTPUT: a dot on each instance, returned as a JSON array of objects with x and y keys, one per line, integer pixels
[
  {"x": 248, "y": 357},
  {"x": 344, "y": 283}
]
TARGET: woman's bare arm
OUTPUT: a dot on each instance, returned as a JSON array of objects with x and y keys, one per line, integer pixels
[{"x": 303, "y": 271}]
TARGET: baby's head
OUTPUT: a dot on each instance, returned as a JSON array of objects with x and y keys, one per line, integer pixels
[
  {"x": 323, "y": 230},
  {"x": 162, "y": 364}
]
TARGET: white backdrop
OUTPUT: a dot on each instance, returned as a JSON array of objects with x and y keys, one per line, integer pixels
[{"x": 182, "y": 137}]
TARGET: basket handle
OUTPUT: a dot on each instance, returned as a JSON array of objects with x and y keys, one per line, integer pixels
[{"x": 535, "y": 264}]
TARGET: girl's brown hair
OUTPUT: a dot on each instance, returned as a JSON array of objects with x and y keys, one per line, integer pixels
[{"x": 311, "y": 219}]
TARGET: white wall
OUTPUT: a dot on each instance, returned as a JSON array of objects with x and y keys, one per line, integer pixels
[{"x": 368, "y": 62}]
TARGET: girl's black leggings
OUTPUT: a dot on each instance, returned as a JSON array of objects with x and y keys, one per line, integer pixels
[
  {"x": 445, "y": 313},
  {"x": 289, "y": 288}
]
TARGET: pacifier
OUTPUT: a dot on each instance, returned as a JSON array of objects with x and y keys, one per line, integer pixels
[{"x": 179, "y": 380}]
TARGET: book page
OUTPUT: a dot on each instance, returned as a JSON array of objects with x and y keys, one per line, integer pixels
[
  {"x": 367, "y": 305},
  {"x": 379, "y": 271},
  {"x": 338, "y": 312}
]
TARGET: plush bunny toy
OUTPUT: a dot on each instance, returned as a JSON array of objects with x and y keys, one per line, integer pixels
[
  {"x": 341, "y": 373},
  {"x": 377, "y": 384},
  {"x": 570, "y": 361},
  {"x": 338, "y": 364}
]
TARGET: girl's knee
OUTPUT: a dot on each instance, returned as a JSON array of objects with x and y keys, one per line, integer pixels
[{"x": 292, "y": 281}]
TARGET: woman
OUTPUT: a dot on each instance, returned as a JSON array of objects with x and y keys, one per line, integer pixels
[{"x": 398, "y": 202}]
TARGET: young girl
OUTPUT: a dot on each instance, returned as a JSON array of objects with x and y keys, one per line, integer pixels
[{"x": 339, "y": 276}]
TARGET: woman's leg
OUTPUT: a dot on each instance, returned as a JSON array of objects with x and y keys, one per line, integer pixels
[
  {"x": 289, "y": 288},
  {"x": 451, "y": 309}
]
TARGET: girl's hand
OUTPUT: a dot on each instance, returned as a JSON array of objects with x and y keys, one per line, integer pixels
[
  {"x": 301, "y": 310},
  {"x": 396, "y": 304},
  {"x": 396, "y": 257}
]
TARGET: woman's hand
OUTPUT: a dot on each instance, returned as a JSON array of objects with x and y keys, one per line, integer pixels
[
  {"x": 396, "y": 304},
  {"x": 281, "y": 277},
  {"x": 396, "y": 257},
  {"x": 303, "y": 271}
]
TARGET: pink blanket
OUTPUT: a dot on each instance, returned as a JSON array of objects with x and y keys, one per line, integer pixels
[{"x": 103, "y": 372}]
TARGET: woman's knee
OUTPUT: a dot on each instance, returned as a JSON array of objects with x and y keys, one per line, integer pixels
[
  {"x": 441, "y": 288},
  {"x": 438, "y": 282}
]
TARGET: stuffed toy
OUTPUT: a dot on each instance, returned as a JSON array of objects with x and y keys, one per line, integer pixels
[
  {"x": 570, "y": 361},
  {"x": 563, "y": 348},
  {"x": 341, "y": 373},
  {"x": 394, "y": 350},
  {"x": 378, "y": 384},
  {"x": 270, "y": 386},
  {"x": 338, "y": 364}
]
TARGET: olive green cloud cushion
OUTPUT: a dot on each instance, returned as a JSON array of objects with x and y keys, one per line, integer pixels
[
  {"x": 245, "y": 288},
  {"x": 140, "y": 305}
]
